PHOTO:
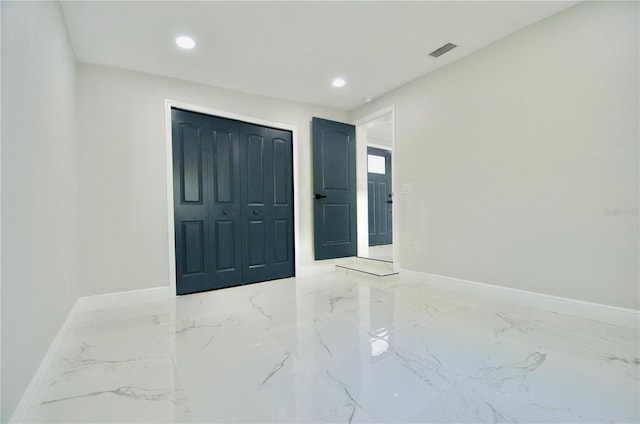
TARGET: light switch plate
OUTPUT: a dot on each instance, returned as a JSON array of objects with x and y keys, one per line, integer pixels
[{"x": 406, "y": 188}]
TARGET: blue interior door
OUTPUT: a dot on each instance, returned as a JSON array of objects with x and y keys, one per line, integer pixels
[
  {"x": 233, "y": 209},
  {"x": 379, "y": 196},
  {"x": 334, "y": 183},
  {"x": 206, "y": 186},
  {"x": 267, "y": 200}
]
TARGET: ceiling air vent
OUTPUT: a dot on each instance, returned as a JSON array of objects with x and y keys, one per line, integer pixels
[{"x": 442, "y": 50}]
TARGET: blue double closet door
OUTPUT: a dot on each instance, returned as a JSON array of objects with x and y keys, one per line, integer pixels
[{"x": 233, "y": 202}]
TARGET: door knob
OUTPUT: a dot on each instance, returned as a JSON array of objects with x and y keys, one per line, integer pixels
[
  {"x": 255, "y": 212},
  {"x": 389, "y": 201},
  {"x": 225, "y": 212},
  {"x": 320, "y": 196}
]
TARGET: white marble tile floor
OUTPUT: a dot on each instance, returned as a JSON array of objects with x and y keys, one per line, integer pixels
[{"x": 326, "y": 349}]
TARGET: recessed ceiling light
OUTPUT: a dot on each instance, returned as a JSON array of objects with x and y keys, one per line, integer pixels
[
  {"x": 185, "y": 42},
  {"x": 339, "y": 82}
]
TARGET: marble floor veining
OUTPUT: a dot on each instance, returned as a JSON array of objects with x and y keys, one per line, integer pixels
[{"x": 326, "y": 349}]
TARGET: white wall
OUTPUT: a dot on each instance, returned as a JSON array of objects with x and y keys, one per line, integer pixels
[
  {"x": 121, "y": 129},
  {"x": 39, "y": 189},
  {"x": 519, "y": 154},
  {"x": 379, "y": 142}
]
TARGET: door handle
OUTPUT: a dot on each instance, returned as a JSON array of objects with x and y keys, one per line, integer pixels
[
  {"x": 255, "y": 212},
  {"x": 320, "y": 196},
  {"x": 389, "y": 201}
]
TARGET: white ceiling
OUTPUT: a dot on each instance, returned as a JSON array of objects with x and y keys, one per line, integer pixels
[{"x": 293, "y": 50}]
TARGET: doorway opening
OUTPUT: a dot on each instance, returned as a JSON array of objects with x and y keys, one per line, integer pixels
[
  {"x": 380, "y": 206},
  {"x": 375, "y": 181}
]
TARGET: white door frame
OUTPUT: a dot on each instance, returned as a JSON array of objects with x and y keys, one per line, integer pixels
[
  {"x": 362, "y": 125},
  {"x": 171, "y": 241}
]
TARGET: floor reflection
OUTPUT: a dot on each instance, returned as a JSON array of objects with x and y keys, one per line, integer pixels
[{"x": 326, "y": 349}]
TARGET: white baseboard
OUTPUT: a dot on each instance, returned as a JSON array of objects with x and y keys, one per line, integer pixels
[
  {"x": 102, "y": 301},
  {"x": 595, "y": 311},
  {"x": 125, "y": 298}
]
